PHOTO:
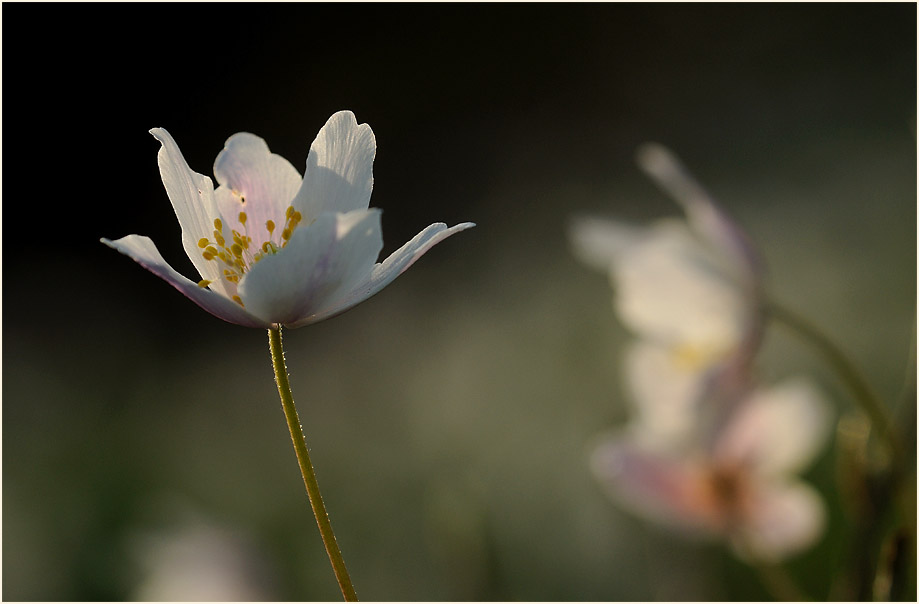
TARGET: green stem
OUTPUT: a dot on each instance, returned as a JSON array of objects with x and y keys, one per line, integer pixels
[
  {"x": 849, "y": 374},
  {"x": 306, "y": 467}
]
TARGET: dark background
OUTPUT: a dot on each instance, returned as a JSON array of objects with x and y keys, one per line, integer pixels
[{"x": 450, "y": 416}]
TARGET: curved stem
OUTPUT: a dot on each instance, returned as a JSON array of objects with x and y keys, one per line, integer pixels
[
  {"x": 306, "y": 467},
  {"x": 866, "y": 399}
]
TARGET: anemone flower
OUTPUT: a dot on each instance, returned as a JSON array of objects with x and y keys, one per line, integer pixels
[
  {"x": 275, "y": 250},
  {"x": 692, "y": 284},
  {"x": 741, "y": 484},
  {"x": 689, "y": 289},
  {"x": 272, "y": 248}
]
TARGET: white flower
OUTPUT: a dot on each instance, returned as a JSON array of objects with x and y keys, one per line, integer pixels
[
  {"x": 689, "y": 289},
  {"x": 690, "y": 285},
  {"x": 741, "y": 485},
  {"x": 273, "y": 248}
]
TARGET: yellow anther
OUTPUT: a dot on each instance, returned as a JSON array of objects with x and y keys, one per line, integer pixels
[
  {"x": 237, "y": 250},
  {"x": 270, "y": 226},
  {"x": 202, "y": 243},
  {"x": 239, "y": 301},
  {"x": 208, "y": 256},
  {"x": 290, "y": 211},
  {"x": 203, "y": 283},
  {"x": 218, "y": 224},
  {"x": 296, "y": 217},
  {"x": 219, "y": 238},
  {"x": 242, "y": 218},
  {"x": 211, "y": 250},
  {"x": 266, "y": 246},
  {"x": 285, "y": 235}
]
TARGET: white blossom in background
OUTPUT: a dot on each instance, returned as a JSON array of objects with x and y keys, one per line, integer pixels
[
  {"x": 742, "y": 485},
  {"x": 200, "y": 563},
  {"x": 706, "y": 449},
  {"x": 689, "y": 289},
  {"x": 273, "y": 248}
]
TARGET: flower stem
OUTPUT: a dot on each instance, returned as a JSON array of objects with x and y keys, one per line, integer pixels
[
  {"x": 845, "y": 368},
  {"x": 306, "y": 467}
]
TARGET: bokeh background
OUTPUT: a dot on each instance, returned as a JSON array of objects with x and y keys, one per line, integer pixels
[{"x": 145, "y": 455}]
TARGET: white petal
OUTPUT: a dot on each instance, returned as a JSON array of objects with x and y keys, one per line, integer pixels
[
  {"x": 785, "y": 518},
  {"x": 672, "y": 289},
  {"x": 192, "y": 197},
  {"x": 255, "y": 181},
  {"x": 320, "y": 262},
  {"x": 667, "y": 490},
  {"x": 779, "y": 429},
  {"x": 665, "y": 392},
  {"x": 339, "y": 168},
  {"x": 144, "y": 252},
  {"x": 385, "y": 272},
  {"x": 597, "y": 242}
]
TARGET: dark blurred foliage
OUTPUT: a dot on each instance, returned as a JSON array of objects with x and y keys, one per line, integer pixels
[{"x": 449, "y": 415}]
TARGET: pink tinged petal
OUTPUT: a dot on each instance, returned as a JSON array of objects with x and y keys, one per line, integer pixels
[
  {"x": 777, "y": 430},
  {"x": 339, "y": 168},
  {"x": 385, "y": 272},
  {"x": 144, "y": 252},
  {"x": 668, "y": 490},
  {"x": 320, "y": 262},
  {"x": 255, "y": 181},
  {"x": 598, "y": 242},
  {"x": 784, "y": 518},
  {"x": 192, "y": 197}
]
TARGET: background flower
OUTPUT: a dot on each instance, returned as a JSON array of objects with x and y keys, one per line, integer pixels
[{"x": 741, "y": 485}]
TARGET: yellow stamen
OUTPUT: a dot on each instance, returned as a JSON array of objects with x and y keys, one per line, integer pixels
[
  {"x": 207, "y": 256},
  {"x": 242, "y": 218},
  {"x": 270, "y": 226},
  {"x": 203, "y": 242},
  {"x": 203, "y": 283},
  {"x": 237, "y": 250},
  {"x": 239, "y": 301},
  {"x": 218, "y": 224}
]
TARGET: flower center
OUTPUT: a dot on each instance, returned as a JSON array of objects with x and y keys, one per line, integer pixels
[
  {"x": 694, "y": 357},
  {"x": 237, "y": 256}
]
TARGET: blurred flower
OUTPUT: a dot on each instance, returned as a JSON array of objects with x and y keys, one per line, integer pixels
[
  {"x": 705, "y": 450},
  {"x": 273, "y": 248},
  {"x": 689, "y": 289},
  {"x": 200, "y": 563},
  {"x": 740, "y": 484}
]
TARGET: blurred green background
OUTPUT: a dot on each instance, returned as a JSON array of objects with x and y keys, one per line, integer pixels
[{"x": 145, "y": 455}]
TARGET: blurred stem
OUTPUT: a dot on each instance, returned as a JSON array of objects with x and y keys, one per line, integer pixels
[
  {"x": 306, "y": 467},
  {"x": 847, "y": 371}
]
